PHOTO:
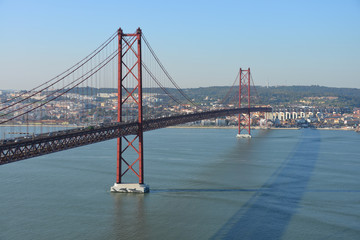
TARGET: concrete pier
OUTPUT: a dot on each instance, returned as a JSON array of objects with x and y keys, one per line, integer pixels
[
  {"x": 245, "y": 135},
  {"x": 130, "y": 188}
]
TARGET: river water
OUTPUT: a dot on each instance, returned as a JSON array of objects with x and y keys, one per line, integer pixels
[{"x": 205, "y": 184}]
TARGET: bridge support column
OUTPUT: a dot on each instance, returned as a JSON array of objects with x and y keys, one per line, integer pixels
[
  {"x": 130, "y": 71},
  {"x": 244, "y": 92}
]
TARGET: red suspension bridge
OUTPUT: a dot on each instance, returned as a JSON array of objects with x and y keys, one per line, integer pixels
[{"x": 120, "y": 90}]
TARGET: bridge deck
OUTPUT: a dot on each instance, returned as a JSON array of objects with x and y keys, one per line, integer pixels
[{"x": 22, "y": 148}]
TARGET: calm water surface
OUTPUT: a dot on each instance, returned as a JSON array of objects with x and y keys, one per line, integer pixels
[{"x": 205, "y": 184}]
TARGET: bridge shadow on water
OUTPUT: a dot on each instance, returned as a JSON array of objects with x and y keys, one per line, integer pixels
[
  {"x": 259, "y": 190},
  {"x": 267, "y": 214}
]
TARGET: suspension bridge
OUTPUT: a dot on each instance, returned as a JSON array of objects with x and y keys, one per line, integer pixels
[{"x": 119, "y": 90}]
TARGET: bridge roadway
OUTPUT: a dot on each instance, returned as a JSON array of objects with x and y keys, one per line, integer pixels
[{"x": 23, "y": 148}]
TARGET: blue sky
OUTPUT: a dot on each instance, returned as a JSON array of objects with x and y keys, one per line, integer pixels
[{"x": 201, "y": 43}]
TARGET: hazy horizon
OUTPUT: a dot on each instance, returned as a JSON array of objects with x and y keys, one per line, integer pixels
[{"x": 216, "y": 86}]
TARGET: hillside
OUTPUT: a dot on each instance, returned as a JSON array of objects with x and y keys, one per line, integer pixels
[
  {"x": 275, "y": 96},
  {"x": 288, "y": 95}
]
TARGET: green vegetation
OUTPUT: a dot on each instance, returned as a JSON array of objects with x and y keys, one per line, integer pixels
[
  {"x": 287, "y": 95},
  {"x": 277, "y": 96}
]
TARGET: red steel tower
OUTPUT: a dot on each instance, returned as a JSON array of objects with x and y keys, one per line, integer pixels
[
  {"x": 244, "y": 93},
  {"x": 130, "y": 92}
]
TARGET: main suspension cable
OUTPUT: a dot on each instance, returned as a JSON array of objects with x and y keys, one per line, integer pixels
[
  {"x": 159, "y": 84},
  {"x": 99, "y": 49},
  {"x": 168, "y": 75},
  {"x": 106, "y": 42},
  {"x": 108, "y": 59},
  {"x": 256, "y": 93},
  {"x": 230, "y": 90}
]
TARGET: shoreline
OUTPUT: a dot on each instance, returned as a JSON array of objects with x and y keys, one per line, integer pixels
[
  {"x": 257, "y": 128},
  {"x": 197, "y": 127}
]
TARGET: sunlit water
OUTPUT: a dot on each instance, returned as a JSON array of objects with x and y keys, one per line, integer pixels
[{"x": 205, "y": 184}]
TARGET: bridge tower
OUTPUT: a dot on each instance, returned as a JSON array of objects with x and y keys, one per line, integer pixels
[
  {"x": 130, "y": 91},
  {"x": 244, "y": 98}
]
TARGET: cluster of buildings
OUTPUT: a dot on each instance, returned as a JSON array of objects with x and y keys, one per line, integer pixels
[
  {"x": 316, "y": 117},
  {"x": 81, "y": 109},
  {"x": 284, "y": 119},
  {"x": 70, "y": 109}
]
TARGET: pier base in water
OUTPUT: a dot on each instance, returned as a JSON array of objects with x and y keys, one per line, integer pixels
[
  {"x": 243, "y": 136},
  {"x": 130, "y": 188}
]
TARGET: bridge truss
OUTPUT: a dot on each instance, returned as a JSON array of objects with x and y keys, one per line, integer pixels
[{"x": 67, "y": 139}]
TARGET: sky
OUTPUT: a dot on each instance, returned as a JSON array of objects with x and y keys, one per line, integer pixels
[{"x": 200, "y": 43}]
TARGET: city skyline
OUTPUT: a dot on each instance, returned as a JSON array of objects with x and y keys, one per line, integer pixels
[{"x": 201, "y": 43}]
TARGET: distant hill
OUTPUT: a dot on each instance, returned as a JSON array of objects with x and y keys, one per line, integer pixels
[
  {"x": 288, "y": 95},
  {"x": 275, "y": 96},
  {"x": 346, "y": 97}
]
